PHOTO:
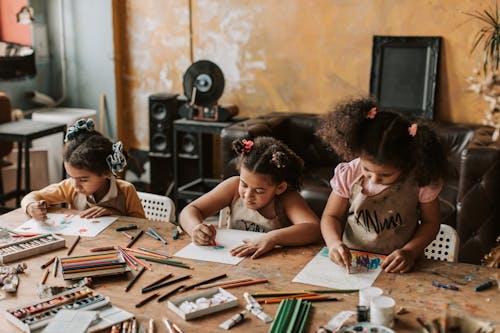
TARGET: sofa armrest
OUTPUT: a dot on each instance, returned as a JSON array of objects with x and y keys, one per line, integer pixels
[{"x": 478, "y": 209}]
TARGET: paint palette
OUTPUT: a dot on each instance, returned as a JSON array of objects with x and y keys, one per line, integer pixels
[
  {"x": 29, "y": 247},
  {"x": 366, "y": 327}
]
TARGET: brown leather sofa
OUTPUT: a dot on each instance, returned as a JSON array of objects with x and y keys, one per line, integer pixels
[{"x": 470, "y": 200}]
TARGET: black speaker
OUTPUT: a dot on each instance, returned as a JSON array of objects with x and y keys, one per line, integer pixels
[
  {"x": 163, "y": 110},
  {"x": 162, "y": 179},
  {"x": 194, "y": 156}
]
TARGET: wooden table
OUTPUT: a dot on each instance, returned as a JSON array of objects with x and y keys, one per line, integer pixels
[{"x": 413, "y": 291}]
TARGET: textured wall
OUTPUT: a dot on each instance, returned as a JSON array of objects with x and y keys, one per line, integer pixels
[{"x": 288, "y": 55}]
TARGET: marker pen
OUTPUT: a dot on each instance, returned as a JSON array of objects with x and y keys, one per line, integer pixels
[
  {"x": 486, "y": 285},
  {"x": 444, "y": 285},
  {"x": 128, "y": 227},
  {"x": 237, "y": 318}
]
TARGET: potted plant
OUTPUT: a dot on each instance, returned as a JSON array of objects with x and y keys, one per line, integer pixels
[{"x": 486, "y": 81}]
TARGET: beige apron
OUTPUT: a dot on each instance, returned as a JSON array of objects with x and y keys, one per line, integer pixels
[{"x": 383, "y": 222}]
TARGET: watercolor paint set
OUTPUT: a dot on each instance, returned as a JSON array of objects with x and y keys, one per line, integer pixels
[
  {"x": 203, "y": 303},
  {"x": 29, "y": 247}
]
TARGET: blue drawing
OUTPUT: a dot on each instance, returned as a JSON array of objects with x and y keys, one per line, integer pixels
[
  {"x": 324, "y": 252},
  {"x": 218, "y": 247}
]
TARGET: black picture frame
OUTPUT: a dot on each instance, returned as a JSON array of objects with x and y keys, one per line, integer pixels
[{"x": 404, "y": 74}]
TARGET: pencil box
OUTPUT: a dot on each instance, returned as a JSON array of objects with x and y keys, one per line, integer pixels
[{"x": 202, "y": 303}]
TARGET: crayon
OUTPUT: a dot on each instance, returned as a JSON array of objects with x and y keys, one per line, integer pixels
[
  {"x": 50, "y": 261},
  {"x": 101, "y": 249},
  {"x": 147, "y": 300},
  {"x": 444, "y": 285},
  {"x": 128, "y": 227},
  {"x": 73, "y": 245},
  {"x": 486, "y": 285}
]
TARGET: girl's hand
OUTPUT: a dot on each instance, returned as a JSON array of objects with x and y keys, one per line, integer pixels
[
  {"x": 38, "y": 210},
  {"x": 340, "y": 254},
  {"x": 257, "y": 247},
  {"x": 399, "y": 261},
  {"x": 96, "y": 211},
  {"x": 204, "y": 234}
]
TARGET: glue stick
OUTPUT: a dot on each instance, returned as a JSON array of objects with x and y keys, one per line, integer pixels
[{"x": 237, "y": 318}]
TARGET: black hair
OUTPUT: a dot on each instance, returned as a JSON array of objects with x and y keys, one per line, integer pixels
[
  {"x": 269, "y": 156},
  {"x": 358, "y": 127},
  {"x": 88, "y": 150}
]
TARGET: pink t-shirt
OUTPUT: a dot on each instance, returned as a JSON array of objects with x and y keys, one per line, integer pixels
[{"x": 347, "y": 173}]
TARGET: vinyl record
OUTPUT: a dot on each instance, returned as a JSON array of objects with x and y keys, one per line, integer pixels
[{"x": 208, "y": 79}]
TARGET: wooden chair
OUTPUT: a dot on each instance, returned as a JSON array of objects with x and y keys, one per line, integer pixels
[
  {"x": 445, "y": 246},
  {"x": 157, "y": 207}
]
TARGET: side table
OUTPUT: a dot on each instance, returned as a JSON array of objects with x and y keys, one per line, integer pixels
[{"x": 23, "y": 132}]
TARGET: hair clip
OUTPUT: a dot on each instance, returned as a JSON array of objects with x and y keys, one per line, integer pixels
[
  {"x": 247, "y": 145},
  {"x": 116, "y": 161},
  {"x": 277, "y": 159},
  {"x": 77, "y": 127},
  {"x": 412, "y": 130},
  {"x": 371, "y": 114}
]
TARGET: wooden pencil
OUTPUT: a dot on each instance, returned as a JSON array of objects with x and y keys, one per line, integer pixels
[
  {"x": 136, "y": 237},
  {"x": 44, "y": 276},
  {"x": 246, "y": 283},
  {"x": 134, "y": 279},
  {"x": 216, "y": 284},
  {"x": 56, "y": 263},
  {"x": 164, "y": 284},
  {"x": 101, "y": 249},
  {"x": 215, "y": 278},
  {"x": 50, "y": 261},
  {"x": 140, "y": 251},
  {"x": 74, "y": 245},
  {"x": 170, "y": 293},
  {"x": 147, "y": 300},
  {"x": 160, "y": 280}
]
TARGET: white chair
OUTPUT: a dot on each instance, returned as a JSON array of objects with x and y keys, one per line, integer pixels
[
  {"x": 157, "y": 207},
  {"x": 445, "y": 246}
]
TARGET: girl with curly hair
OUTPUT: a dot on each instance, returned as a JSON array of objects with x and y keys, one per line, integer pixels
[
  {"x": 385, "y": 200},
  {"x": 263, "y": 198}
]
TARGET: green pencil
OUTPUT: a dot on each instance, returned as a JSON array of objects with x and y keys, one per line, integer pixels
[{"x": 135, "y": 278}]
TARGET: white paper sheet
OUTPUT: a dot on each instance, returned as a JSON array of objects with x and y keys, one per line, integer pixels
[
  {"x": 226, "y": 240},
  {"x": 321, "y": 271},
  {"x": 67, "y": 224}
]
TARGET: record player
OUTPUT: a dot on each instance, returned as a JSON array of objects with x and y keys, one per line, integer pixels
[{"x": 203, "y": 85}]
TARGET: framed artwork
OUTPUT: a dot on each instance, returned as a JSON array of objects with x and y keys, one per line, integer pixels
[{"x": 404, "y": 74}]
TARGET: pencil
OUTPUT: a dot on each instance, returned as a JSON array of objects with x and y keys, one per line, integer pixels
[
  {"x": 280, "y": 298},
  {"x": 216, "y": 284},
  {"x": 246, "y": 283},
  {"x": 50, "y": 261},
  {"x": 136, "y": 237},
  {"x": 44, "y": 276},
  {"x": 279, "y": 293},
  {"x": 74, "y": 245},
  {"x": 134, "y": 279},
  {"x": 215, "y": 278},
  {"x": 56, "y": 262},
  {"x": 154, "y": 252},
  {"x": 147, "y": 300},
  {"x": 151, "y": 326},
  {"x": 177, "y": 328},
  {"x": 146, "y": 253},
  {"x": 166, "y": 262},
  {"x": 164, "y": 284},
  {"x": 140, "y": 262},
  {"x": 166, "y": 277},
  {"x": 167, "y": 325},
  {"x": 170, "y": 293},
  {"x": 129, "y": 236},
  {"x": 104, "y": 248}
]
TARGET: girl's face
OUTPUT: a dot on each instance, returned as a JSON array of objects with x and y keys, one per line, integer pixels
[
  {"x": 258, "y": 190},
  {"x": 84, "y": 181},
  {"x": 379, "y": 174}
]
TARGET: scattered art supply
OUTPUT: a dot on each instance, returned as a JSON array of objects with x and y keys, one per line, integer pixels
[
  {"x": 336, "y": 322},
  {"x": 44, "y": 276},
  {"x": 169, "y": 294},
  {"x": 47, "y": 263},
  {"x": 127, "y": 227},
  {"x": 215, "y": 278},
  {"x": 102, "y": 249},
  {"x": 233, "y": 321},
  {"x": 256, "y": 309},
  {"x": 134, "y": 279},
  {"x": 291, "y": 316},
  {"x": 486, "y": 285},
  {"x": 93, "y": 265},
  {"x": 155, "y": 252},
  {"x": 160, "y": 280},
  {"x": 157, "y": 235},
  {"x": 366, "y": 295},
  {"x": 203, "y": 303},
  {"x": 56, "y": 266},
  {"x": 220, "y": 283},
  {"x": 445, "y": 286},
  {"x": 8, "y": 277},
  {"x": 28, "y": 247},
  {"x": 244, "y": 283},
  {"x": 321, "y": 271},
  {"x": 67, "y": 224},
  {"x": 74, "y": 245},
  {"x": 164, "y": 284},
  {"x": 147, "y": 300},
  {"x": 136, "y": 237},
  {"x": 165, "y": 261},
  {"x": 168, "y": 326}
]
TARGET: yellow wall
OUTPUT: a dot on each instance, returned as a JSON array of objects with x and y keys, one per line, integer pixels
[{"x": 287, "y": 55}]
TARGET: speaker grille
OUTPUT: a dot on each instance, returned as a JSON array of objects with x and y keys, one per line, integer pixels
[{"x": 163, "y": 110}]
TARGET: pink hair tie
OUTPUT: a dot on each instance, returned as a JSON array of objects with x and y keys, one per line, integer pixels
[
  {"x": 412, "y": 130},
  {"x": 371, "y": 114},
  {"x": 247, "y": 145}
]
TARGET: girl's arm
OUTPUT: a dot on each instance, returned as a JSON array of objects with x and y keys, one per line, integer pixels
[
  {"x": 192, "y": 216},
  {"x": 61, "y": 192},
  {"x": 332, "y": 224},
  {"x": 402, "y": 260}
]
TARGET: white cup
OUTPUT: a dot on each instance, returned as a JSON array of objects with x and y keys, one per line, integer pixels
[
  {"x": 382, "y": 311},
  {"x": 366, "y": 294}
]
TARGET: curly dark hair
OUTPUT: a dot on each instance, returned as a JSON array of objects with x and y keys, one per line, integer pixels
[
  {"x": 269, "y": 156},
  {"x": 358, "y": 127},
  {"x": 88, "y": 151}
]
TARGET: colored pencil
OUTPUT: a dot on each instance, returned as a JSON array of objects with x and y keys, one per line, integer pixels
[
  {"x": 279, "y": 293},
  {"x": 142, "y": 263},
  {"x": 147, "y": 300},
  {"x": 166, "y": 277},
  {"x": 136, "y": 237},
  {"x": 128, "y": 227},
  {"x": 170, "y": 293},
  {"x": 246, "y": 283},
  {"x": 166, "y": 262},
  {"x": 44, "y": 276},
  {"x": 129, "y": 236},
  {"x": 215, "y": 278},
  {"x": 164, "y": 284},
  {"x": 333, "y": 291},
  {"x": 74, "y": 245},
  {"x": 101, "y": 249},
  {"x": 167, "y": 325},
  {"x": 146, "y": 253},
  {"x": 266, "y": 300},
  {"x": 56, "y": 262},
  {"x": 50, "y": 261},
  {"x": 154, "y": 252},
  {"x": 134, "y": 279},
  {"x": 216, "y": 284}
]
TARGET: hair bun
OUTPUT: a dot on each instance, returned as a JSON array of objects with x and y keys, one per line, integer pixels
[
  {"x": 279, "y": 159},
  {"x": 79, "y": 126}
]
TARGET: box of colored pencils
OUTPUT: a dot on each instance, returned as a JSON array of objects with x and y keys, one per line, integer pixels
[
  {"x": 111, "y": 263},
  {"x": 31, "y": 246},
  {"x": 203, "y": 303}
]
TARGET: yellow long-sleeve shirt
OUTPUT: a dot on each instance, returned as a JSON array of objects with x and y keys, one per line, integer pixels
[{"x": 121, "y": 197}]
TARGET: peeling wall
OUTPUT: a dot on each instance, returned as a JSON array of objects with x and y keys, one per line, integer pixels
[{"x": 288, "y": 55}]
